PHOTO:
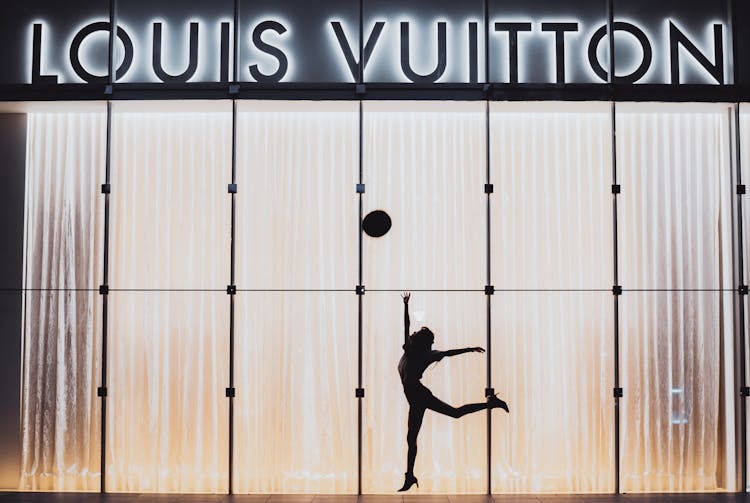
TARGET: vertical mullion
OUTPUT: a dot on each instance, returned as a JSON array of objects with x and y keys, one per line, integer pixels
[
  {"x": 489, "y": 304},
  {"x": 360, "y": 80},
  {"x": 232, "y": 262},
  {"x": 232, "y": 249},
  {"x": 111, "y": 77},
  {"x": 359, "y": 315},
  {"x": 105, "y": 282},
  {"x": 740, "y": 299},
  {"x": 616, "y": 300},
  {"x": 488, "y": 243}
]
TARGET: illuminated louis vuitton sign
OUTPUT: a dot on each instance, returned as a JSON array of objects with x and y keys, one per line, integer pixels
[{"x": 412, "y": 51}]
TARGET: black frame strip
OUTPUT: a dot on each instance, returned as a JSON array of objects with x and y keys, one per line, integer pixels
[
  {"x": 489, "y": 238},
  {"x": 360, "y": 273},
  {"x": 739, "y": 299},
  {"x": 105, "y": 259},
  {"x": 616, "y": 300},
  {"x": 360, "y": 384},
  {"x": 233, "y": 195}
]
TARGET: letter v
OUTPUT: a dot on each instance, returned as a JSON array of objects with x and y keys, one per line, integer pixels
[{"x": 347, "y": 49}]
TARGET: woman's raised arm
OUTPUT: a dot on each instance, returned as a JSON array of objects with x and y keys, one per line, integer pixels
[{"x": 406, "y": 296}]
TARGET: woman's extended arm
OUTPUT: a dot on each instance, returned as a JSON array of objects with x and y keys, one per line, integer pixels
[
  {"x": 406, "y": 296},
  {"x": 454, "y": 352}
]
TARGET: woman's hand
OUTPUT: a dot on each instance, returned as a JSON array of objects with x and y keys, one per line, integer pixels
[
  {"x": 476, "y": 349},
  {"x": 406, "y": 296}
]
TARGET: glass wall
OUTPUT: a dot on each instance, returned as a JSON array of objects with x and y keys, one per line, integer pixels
[
  {"x": 552, "y": 315},
  {"x": 675, "y": 224},
  {"x": 244, "y": 305}
]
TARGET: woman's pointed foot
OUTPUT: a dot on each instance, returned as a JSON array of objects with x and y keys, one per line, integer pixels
[
  {"x": 496, "y": 402},
  {"x": 409, "y": 480}
]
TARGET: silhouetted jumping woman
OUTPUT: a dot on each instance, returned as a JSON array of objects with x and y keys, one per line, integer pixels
[{"x": 418, "y": 355}]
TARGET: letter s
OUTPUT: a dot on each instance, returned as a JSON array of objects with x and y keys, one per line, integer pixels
[{"x": 270, "y": 50}]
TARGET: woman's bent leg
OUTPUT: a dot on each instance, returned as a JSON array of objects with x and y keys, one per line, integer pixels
[{"x": 443, "y": 408}]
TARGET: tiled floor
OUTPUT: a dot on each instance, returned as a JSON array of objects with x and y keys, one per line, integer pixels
[{"x": 411, "y": 498}]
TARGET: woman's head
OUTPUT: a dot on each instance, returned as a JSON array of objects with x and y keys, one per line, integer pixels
[{"x": 420, "y": 341}]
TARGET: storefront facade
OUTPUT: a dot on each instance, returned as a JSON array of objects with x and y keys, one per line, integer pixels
[{"x": 191, "y": 303}]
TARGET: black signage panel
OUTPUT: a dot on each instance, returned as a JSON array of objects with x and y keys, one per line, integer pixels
[
  {"x": 742, "y": 35},
  {"x": 424, "y": 41},
  {"x": 40, "y": 43},
  {"x": 191, "y": 41},
  {"x": 673, "y": 42},
  {"x": 293, "y": 41},
  {"x": 547, "y": 41}
]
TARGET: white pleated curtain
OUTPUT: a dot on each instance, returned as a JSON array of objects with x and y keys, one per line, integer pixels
[
  {"x": 60, "y": 416},
  {"x": 168, "y": 353},
  {"x": 296, "y": 312},
  {"x": 675, "y": 241},
  {"x": 553, "y": 345},
  {"x": 424, "y": 163}
]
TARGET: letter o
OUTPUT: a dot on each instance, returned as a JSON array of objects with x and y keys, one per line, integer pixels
[
  {"x": 648, "y": 54},
  {"x": 75, "y": 48}
]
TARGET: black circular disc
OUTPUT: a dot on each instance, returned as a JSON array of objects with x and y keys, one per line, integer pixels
[{"x": 377, "y": 223}]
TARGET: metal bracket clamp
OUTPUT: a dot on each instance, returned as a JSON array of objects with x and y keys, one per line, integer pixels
[
  {"x": 488, "y": 392},
  {"x": 618, "y": 393},
  {"x": 108, "y": 90},
  {"x": 360, "y": 89},
  {"x": 232, "y": 188},
  {"x": 617, "y": 290},
  {"x": 231, "y": 289},
  {"x": 742, "y": 289},
  {"x": 103, "y": 289},
  {"x": 741, "y": 190},
  {"x": 101, "y": 391},
  {"x": 359, "y": 392},
  {"x": 359, "y": 289},
  {"x": 489, "y": 290},
  {"x": 616, "y": 188},
  {"x": 745, "y": 391},
  {"x": 234, "y": 89},
  {"x": 360, "y": 188},
  {"x": 489, "y": 188},
  {"x": 229, "y": 392},
  {"x": 106, "y": 188}
]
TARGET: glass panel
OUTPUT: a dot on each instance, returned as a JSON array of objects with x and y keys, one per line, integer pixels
[
  {"x": 425, "y": 166},
  {"x": 297, "y": 167},
  {"x": 295, "y": 412},
  {"x": 171, "y": 215},
  {"x": 167, "y": 416},
  {"x": 172, "y": 60},
  {"x": 452, "y": 452},
  {"x": 552, "y": 208},
  {"x": 60, "y": 410},
  {"x": 64, "y": 209},
  {"x": 646, "y": 32},
  {"x": 553, "y": 362},
  {"x": 306, "y": 45},
  {"x": 678, "y": 409},
  {"x": 541, "y": 25},
  {"x": 441, "y": 46},
  {"x": 674, "y": 223}
]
